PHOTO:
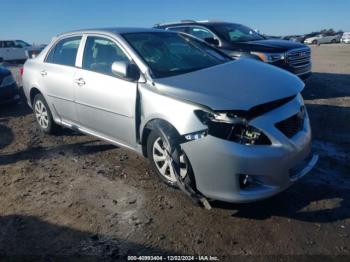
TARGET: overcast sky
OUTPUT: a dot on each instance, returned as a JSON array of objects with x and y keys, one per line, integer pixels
[{"x": 38, "y": 20}]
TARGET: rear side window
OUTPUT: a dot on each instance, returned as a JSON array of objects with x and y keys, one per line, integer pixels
[
  {"x": 64, "y": 52},
  {"x": 178, "y": 29},
  {"x": 100, "y": 53},
  {"x": 201, "y": 33}
]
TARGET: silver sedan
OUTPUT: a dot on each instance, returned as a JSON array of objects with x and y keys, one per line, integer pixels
[{"x": 217, "y": 128}]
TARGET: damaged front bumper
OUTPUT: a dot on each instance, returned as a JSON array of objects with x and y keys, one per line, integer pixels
[
  {"x": 238, "y": 173},
  {"x": 218, "y": 166}
]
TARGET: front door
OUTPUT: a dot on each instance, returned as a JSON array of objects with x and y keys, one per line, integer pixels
[{"x": 105, "y": 103}]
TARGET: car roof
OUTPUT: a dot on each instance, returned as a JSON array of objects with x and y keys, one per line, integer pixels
[
  {"x": 115, "y": 30},
  {"x": 191, "y": 22}
]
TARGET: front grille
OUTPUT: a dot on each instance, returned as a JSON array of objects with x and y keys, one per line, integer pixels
[
  {"x": 299, "y": 57},
  {"x": 292, "y": 125}
]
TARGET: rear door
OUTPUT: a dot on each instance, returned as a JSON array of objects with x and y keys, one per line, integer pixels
[
  {"x": 105, "y": 103},
  {"x": 57, "y": 75},
  {"x": 325, "y": 39}
]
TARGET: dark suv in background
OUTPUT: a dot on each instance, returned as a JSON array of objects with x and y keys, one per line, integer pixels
[{"x": 238, "y": 40}]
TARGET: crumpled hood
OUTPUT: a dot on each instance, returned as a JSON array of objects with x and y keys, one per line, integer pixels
[{"x": 237, "y": 85}]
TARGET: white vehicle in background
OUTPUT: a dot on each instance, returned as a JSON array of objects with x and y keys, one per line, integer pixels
[
  {"x": 345, "y": 38},
  {"x": 17, "y": 50},
  {"x": 322, "y": 39}
]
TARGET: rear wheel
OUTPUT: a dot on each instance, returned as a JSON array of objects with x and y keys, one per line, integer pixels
[
  {"x": 333, "y": 41},
  {"x": 43, "y": 114}
]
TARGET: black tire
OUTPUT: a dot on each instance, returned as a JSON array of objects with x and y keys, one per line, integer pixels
[
  {"x": 152, "y": 138},
  {"x": 51, "y": 126},
  {"x": 314, "y": 42},
  {"x": 333, "y": 41}
]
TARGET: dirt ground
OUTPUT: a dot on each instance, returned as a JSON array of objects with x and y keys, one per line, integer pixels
[{"x": 70, "y": 194}]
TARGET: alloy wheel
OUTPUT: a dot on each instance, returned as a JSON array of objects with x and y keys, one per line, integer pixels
[
  {"x": 41, "y": 114},
  {"x": 163, "y": 159}
]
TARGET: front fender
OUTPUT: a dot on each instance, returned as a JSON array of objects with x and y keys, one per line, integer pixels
[{"x": 180, "y": 114}]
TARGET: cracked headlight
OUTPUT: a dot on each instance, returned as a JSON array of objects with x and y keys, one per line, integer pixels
[
  {"x": 7, "y": 80},
  {"x": 233, "y": 128},
  {"x": 269, "y": 57}
]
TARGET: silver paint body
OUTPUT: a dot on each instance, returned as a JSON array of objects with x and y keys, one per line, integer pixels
[
  {"x": 323, "y": 39},
  {"x": 118, "y": 111}
]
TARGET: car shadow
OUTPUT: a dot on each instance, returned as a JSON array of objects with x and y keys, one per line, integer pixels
[
  {"x": 63, "y": 131},
  {"x": 6, "y": 136},
  {"x": 14, "y": 109},
  {"x": 326, "y": 85},
  {"x": 38, "y": 152},
  {"x": 29, "y": 238},
  {"x": 305, "y": 201}
]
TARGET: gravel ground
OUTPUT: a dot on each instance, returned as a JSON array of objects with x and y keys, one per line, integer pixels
[{"x": 70, "y": 194}]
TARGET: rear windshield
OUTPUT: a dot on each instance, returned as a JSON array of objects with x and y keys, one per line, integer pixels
[{"x": 169, "y": 53}]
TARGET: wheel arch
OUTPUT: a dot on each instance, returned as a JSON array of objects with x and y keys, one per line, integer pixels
[
  {"x": 32, "y": 93},
  {"x": 153, "y": 124}
]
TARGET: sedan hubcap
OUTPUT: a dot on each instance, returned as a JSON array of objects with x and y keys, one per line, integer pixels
[
  {"x": 41, "y": 114},
  {"x": 163, "y": 161}
]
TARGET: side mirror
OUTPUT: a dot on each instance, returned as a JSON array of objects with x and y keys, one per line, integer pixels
[
  {"x": 212, "y": 41},
  {"x": 126, "y": 70}
]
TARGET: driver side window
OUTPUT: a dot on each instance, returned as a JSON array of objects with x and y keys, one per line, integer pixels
[{"x": 100, "y": 53}]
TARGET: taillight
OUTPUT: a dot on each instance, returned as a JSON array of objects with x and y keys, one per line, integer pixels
[{"x": 21, "y": 71}]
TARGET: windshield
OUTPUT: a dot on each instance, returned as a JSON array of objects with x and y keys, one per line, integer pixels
[
  {"x": 237, "y": 33},
  {"x": 21, "y": 43},
  {"x": 169, "y": 54}
]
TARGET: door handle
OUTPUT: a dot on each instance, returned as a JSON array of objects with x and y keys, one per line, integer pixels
[
  {"x": 43, "y": 72},
  {"x": 80, "y": 81}
]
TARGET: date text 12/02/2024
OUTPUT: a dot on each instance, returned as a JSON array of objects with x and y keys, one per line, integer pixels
[{"x": 173, "y": 258}]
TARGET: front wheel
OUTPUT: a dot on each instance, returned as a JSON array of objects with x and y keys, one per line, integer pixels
[
  {"x": 314, "y": 42},
  {"x": 43, "y": 114},
  {"x": 161, "y": 160}
]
